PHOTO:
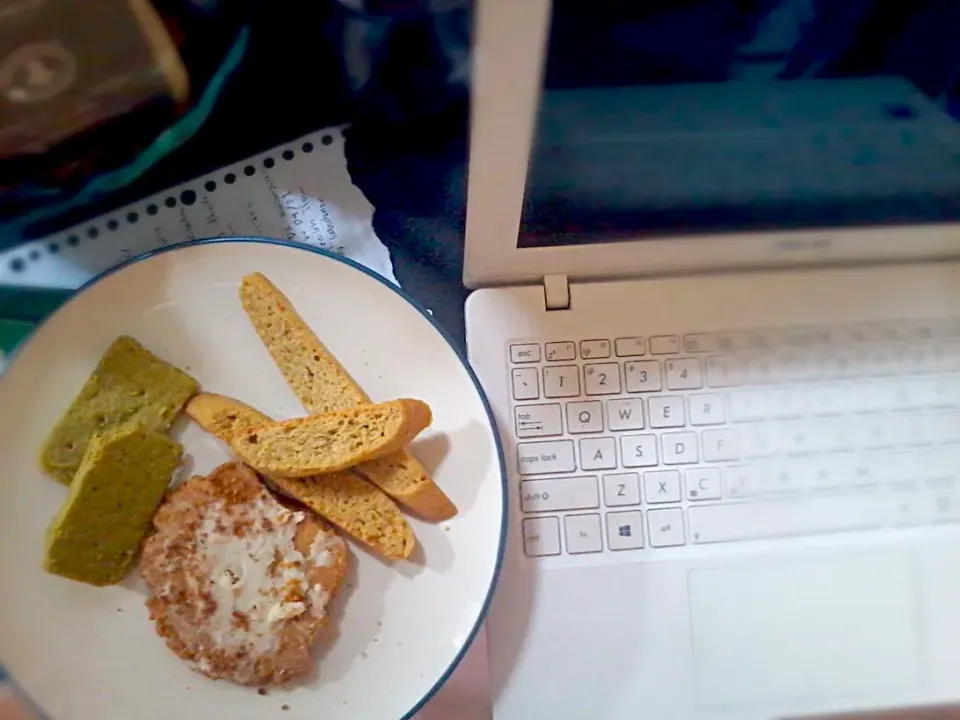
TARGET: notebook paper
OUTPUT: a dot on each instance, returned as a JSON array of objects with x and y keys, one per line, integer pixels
[{"x": 300, "y": 192}]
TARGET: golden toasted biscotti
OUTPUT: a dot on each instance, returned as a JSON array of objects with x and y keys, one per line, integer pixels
[
  {"x": 323, "y": 385},
  {"x": 333, "y": 441},
  {"x": 349, "y": 502}
]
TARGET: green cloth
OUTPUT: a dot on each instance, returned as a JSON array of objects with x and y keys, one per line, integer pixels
[
  {"x": 21, "y": 309},
  {"x": 11, "y": 333}
]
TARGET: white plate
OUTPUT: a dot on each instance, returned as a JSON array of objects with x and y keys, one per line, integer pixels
[{"x": 83, "y": 653}]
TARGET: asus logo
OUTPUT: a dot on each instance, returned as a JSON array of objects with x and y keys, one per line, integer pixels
[{"x": 807, "y": 244}]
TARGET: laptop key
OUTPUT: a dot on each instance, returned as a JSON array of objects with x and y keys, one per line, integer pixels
[
  {"x": 544, "y": 458},
  {"x": 560, "y": 351},
  {"x": 537, "y": 420},
  {"x": 526, "y": 384},
  {"x": 601, "y": 379},
  {"x": 630, "y": 347},
  {"x": 625, "y": 530},
  {"x": 584, "y": 534},
  {"x": 666, "y": 527},
  {"x": 664, "y": 345},
  {"x": 684, "y": 374},
  {"x": 571, "y": 493},
  {"x": 561, "y": 381},
  {"x": 591, "y": 349},
  {"x": 642, "y": 375},
  {"x": 798, "y": 516},
  {"x": 526, "y": 353},
  {"x": 541, "y": 536}
]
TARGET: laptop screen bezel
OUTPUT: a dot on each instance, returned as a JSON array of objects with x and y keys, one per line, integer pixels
[{"x": 510, "y": 43}]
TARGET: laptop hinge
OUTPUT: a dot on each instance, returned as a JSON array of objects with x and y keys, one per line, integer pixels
[{"x": 556, "y": 292}]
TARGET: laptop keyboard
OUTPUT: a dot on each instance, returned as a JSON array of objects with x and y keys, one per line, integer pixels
[{"x": 634, "y": 443}]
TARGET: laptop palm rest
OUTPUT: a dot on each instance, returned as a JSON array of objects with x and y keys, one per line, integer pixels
[{"x": 808, "y": 629}]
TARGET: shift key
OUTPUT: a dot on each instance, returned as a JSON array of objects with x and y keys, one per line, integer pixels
[
  {"x": 540, "y": 458},
  {"x": 568, "y": 493}
]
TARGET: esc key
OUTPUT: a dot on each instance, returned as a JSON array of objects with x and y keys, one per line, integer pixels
[{"x": 526, "y": 353}]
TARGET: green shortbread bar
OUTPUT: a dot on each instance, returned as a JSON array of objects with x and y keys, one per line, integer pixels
[
  {"x": 130, "y": 385},
  {"x": 120, "y": 483}
]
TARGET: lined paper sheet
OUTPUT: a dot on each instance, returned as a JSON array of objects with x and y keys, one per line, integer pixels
[{"x": 300, "y": 192}]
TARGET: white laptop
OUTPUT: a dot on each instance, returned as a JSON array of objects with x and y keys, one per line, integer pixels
[{"x": 719, "y": 325}]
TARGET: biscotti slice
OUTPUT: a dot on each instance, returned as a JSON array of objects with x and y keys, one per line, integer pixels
[
  {"x": 120, "y": 482},
  {"x": 352, "y": 504},
  {"x": 323, "y": 385},
  {"x": 333, "y": 441},
  {"x": 129, "y": 385}
]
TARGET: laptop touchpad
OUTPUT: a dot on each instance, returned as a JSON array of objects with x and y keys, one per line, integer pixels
[{"x": 765, "y": 632}]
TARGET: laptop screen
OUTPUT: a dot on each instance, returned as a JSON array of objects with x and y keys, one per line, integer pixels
[{"x": 693, "y": 117}]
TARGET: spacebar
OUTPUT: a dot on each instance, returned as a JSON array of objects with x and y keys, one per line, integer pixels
[{"x": 797, "y": 516}]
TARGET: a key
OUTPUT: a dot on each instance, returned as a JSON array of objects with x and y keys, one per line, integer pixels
[
  {"x": 630, "y": 347},
  {"x": 916, "y": 358},
  {"x": 664, "y": 345},
  {"x": 904, "y": 507},
  {"x": 771, "y": 519},
  {"x": 780, "y": 480},
  {"x": 537, "y": 420},
  {"x": 625, "y": 414},
  {"x": 721, "y": 445},
  {"x": 642, "y": 375},
  {"x": 786, "y": 403},
  {"x": 834, "y": 434},
  {"x": 541, "y": 458},
  {"x": 571, "y": 493},
  {"x": 841, "y": 364},
  {"x": 601, "y": 379},
  {"x": 561, "y": 381},
  {"x": 666, "y": 527},
  {"x": 541, "y": 536},
  {"x": 742, "y": 481},
  {"x": 824, "y": 474},
  {"x": 703, "y": 484},
  {"x": 879, "y": 360},
  {"x": 679, "y": 448},
  {"x": 762, "y": 369},
  {"x": 638, "y": 450},
  {"x": 584, "y": 534},
  {"x": 526, "y": 383},
  {"x": 594, "y": 349},
  {"x": 823, "y": 401},
  {"x": 584, "y": 417},
  {"x": 748, "y": 405},
  {"x": 723, "y": 371},
  {"x": 560, "y": 351},
  {"x": 795, "y": 365},
  {"x": 707, "y": 409},
  {"x": 598, "y": 454},
  {"x": 799, "y": 437},
  {"x": 683, "y": 374},
  {"x": 876, "y": 432},
  {"x": 625, "y": 530},
  {"x": 759, "y": 440},
  {"x": 662, "y": 486},
  {"x": 525, "y": 353},
  {"x": 665, "y": 411},
  {"x": 699, "y": 343},
  {"x": 621, "y": 489}
]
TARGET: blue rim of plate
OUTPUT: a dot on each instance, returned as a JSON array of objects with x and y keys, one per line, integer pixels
[{"x": 485, "y": 607}]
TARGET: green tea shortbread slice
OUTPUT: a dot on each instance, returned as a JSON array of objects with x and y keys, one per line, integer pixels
[
  {"x": 130, "y": 385},
  {"x": 116, "y": 491}
]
